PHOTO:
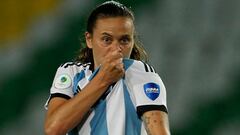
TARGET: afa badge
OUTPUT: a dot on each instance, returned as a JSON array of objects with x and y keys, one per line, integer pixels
[
  {"x": 152, "y": 90},
  {"x": 63, "y": 82}
]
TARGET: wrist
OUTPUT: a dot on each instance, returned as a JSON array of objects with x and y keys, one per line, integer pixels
[{"x": 103, "y": 82}]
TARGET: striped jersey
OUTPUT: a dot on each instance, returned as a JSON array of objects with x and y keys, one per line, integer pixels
[{"x": 119, "y": 110}]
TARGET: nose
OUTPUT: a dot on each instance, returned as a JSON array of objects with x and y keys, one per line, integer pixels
[{"x": 117, "y": 46}]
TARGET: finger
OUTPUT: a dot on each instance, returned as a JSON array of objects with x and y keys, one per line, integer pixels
[{"x": 120, "y": 67}]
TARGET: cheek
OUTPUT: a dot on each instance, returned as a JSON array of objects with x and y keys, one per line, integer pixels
[
  {"x": 127, "y": 51},
  {"x": 99, "y": 50}
]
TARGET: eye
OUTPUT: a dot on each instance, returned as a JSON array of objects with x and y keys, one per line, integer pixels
[
  {"x": 125, "y": 40},
  {"x": 107, "y": 40}
]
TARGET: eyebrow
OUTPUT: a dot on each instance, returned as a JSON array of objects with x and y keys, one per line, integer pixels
[
  {"x": 123, "y": 36},
  {"x": 105, "y": 33},
  {"x": 126, "y": 36}
]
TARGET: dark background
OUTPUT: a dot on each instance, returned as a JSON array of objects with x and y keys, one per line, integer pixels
[{"x": 193, "y": 44}]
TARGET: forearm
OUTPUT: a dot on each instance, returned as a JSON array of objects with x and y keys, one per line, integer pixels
[
  {"x": 156, "y": 123},
  {"x": 70, "y": 113}
]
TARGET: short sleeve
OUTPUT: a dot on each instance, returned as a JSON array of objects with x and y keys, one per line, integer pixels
[
  {"x": 147, "y": 90},
  {"x": 62, "y": 84}
]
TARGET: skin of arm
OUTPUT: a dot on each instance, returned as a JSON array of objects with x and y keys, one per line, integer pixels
[
  {"x": 63, "y": 115},
  {"x": 156, "y": 123}
]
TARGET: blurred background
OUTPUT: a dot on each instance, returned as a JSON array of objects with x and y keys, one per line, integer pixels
[{"x": 193, "y": 45}]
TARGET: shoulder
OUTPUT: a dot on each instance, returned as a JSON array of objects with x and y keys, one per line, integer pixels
[
  {"x": 73, "y": 67},
  {"x": 74, "y": 64},
  {"x": 137, "y": 65}
]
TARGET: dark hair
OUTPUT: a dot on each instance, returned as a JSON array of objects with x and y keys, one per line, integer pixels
[{"x": 111, "y": 9}]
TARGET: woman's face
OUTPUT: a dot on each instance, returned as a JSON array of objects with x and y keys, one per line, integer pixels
[{"x": 109, "y": 34}]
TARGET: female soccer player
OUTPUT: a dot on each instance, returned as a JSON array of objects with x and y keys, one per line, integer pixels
[{"x": 108, "y": 90}]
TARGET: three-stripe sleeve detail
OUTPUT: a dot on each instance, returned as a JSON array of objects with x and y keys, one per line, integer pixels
[{"x": 148, "y": 68}]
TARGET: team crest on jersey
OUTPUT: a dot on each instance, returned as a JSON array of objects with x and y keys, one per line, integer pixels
[
  {"x": 63, "y": 82},
  {"x": 152, "y": 90}
]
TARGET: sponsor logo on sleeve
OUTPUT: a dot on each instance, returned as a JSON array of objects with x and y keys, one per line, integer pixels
[
  {"x": 63, "y": 82},
  {"x": 152, "y": 90}
]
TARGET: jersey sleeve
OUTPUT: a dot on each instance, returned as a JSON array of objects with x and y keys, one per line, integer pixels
[
  {"x": 147, "y": 90},
  {"x": 62, "y": 85}
]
